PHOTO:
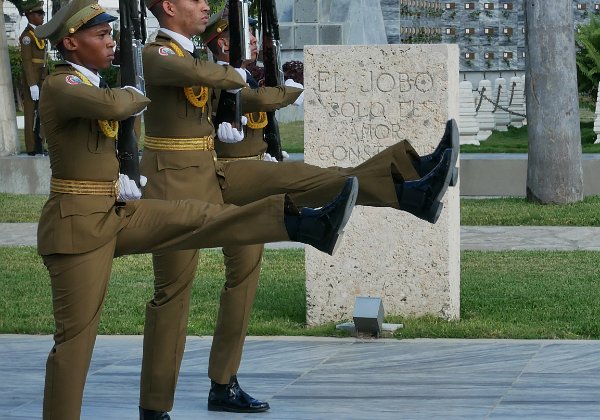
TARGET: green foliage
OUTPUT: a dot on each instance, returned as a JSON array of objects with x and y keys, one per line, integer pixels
[
  {"x": 16, "y": 64},
  {"x": 587, "y": 40}
]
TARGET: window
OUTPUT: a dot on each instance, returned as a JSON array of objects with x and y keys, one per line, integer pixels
[
  {"x": 488, "y": 6},
  {"x": 597, "y": 6},
  {"x": 450, "y": 6},
  {"x": 488, "y": 55},
  {"x": 581, "y": 6},
  {"x": 488, "y": 31},
  {"x": 470, "y": 6},
  {"x": 507, "y": 31},
  {"x": 507, "y": 6},
  {"x": 450, "y": 31},
  {"x": 469, "y": 56},
  {"x": 469, "y": 31},
  {"x": 507, "y": 54}
]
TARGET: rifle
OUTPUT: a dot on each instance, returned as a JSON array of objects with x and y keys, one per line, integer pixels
[
  {"x": 273, "y": 71},
  {"x": 132, "y": 32},
  {"x": 229, "y": 108}
]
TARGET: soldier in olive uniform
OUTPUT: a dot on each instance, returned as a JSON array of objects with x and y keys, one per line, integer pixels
[
  {"x": 94, "y": 214},
  {"x": 180, "y": 162},
  {"x": 35, "y": 69},
  {"x": 242, "y": 263}
]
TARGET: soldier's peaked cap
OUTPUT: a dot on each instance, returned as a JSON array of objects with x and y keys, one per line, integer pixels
[
  {"x": 219, "y": 23},
  {"x": 33, "y": 7},
  {"x": 77, "y": 14}
]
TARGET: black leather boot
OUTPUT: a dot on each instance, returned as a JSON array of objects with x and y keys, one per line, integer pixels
[
  {"x": 450, "y": 140},
  {"x": 422, "y": 197},
  {"x": 153, "y": 415},
  {"x": 231, "y": 397},
  {"x": 322, "y": 227}
]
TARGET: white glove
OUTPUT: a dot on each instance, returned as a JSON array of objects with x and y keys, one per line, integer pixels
[
  {"x": 128, "y": 190},
  {"x": 291, "y": 83},
  {"x": 285, "y": 154},
  {"x": 242, "y": 73},
  {"x": 300, "y": 100},
  {"x": 35, "y": 92},
  {"x": 228, "y": 134},
  {"x": 269, "y": 158},
  {"x": 244, "y": 120},
  {"x": 143, "y": 181}
]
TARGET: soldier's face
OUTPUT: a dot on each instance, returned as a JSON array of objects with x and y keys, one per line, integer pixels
[
  {"x": 36, "y": 18},
  {"x": 91, "y": 47},
  {"x": 190, "y": 17}
]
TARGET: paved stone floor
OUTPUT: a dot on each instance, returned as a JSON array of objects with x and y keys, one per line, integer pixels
[
  {"x": 484, "y": 238},
  {"x": 321, "y": 378},
  {"x": 324, "y": 378}
]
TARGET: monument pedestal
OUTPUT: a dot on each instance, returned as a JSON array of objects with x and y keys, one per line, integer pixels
[{"x": 358, "y": 101}]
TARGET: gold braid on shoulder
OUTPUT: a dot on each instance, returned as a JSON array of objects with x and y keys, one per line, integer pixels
[
  {"x": 109, "y": 128},
  {"x": 257, "y": 124},
  {"x": 199, "y": 101},
  {"x": 41, "y": 44}
]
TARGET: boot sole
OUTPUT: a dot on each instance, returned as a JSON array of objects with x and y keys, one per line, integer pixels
[
  {"x": 455, "y": 149},
  {"x": 436, "y": 207},
  {"x": 213, "y": 407},
  {"x": 347, "y": 213}
]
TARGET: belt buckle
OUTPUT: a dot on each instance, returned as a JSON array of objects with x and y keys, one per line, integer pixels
[
  {"x": 210, "y": 143},
  {"x": 117, "y": 188}
]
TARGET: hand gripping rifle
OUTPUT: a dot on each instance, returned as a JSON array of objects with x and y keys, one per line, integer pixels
[
  {"x": 229, "y": 108},
  {"x": 273, "y": 71},
  {"x": 132, "y": 30}
]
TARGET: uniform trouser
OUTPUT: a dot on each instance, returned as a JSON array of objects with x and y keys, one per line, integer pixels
[
  {"x": 32, "y": 141},
  {"x": 79, "y": 281},
  {"x": 243, "y": 182}
]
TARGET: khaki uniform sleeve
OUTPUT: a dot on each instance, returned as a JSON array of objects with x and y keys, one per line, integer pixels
[
  {"x": 26, "y": 55},
  {"x": 268, "y": 99},
  {"x": 90, "y": 102},
  {"x": 165, "y": 69}
]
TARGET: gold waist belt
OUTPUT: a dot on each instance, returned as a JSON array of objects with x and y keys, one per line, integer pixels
[
  {"x": 38, "y": 60},
  {"x": 71, "y": 186},
  {"x": 205, "y": 143},
  {"x": 233, "y": 159}
]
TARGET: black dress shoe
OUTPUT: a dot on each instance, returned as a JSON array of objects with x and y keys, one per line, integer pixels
[
  {"x": 450, "y": 140},
  {"x": 232, "y": 398},
  {"x": 153, "y": 415},
  {"x": 31, "y": 153},
  {"x": 322, "y": 227},
  {"x": 422, "y": 197}
]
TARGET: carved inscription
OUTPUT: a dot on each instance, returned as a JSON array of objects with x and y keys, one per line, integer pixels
[{"x": 373, "y": 107}]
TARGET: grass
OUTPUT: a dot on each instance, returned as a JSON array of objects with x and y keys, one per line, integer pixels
[
  {"x": 518, "y": 212},
  {"x": 503, "y": 295},
  {"x": 515, "y": 141},
  {"x": 18, "y": 208}
]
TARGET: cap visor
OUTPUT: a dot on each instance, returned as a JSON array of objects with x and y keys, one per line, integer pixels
[{"x": 97, "y": 20}]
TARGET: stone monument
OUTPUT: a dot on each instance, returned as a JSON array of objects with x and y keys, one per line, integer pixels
[{"x": 359, "y": 100}]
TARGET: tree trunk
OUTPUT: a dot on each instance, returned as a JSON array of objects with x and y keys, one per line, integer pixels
[
  {"x": 9, "y": 140},
  {"x": 554, "y": 171}
]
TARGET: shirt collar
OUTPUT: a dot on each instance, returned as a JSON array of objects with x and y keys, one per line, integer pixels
[
  {"x": 93, "y": 77},
  {"x": 184, "y": 41}
]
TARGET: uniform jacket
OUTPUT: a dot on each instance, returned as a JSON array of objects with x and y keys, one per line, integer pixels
[
  {"x": 33, "y": 72},
  {"x": 79, "y": 150},
  {"x": 184, "y": 174},
  {"x": 255, "y": 100}
]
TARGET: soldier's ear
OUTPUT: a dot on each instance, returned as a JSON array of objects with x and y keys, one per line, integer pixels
[{"x": 70, "y": 43}]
